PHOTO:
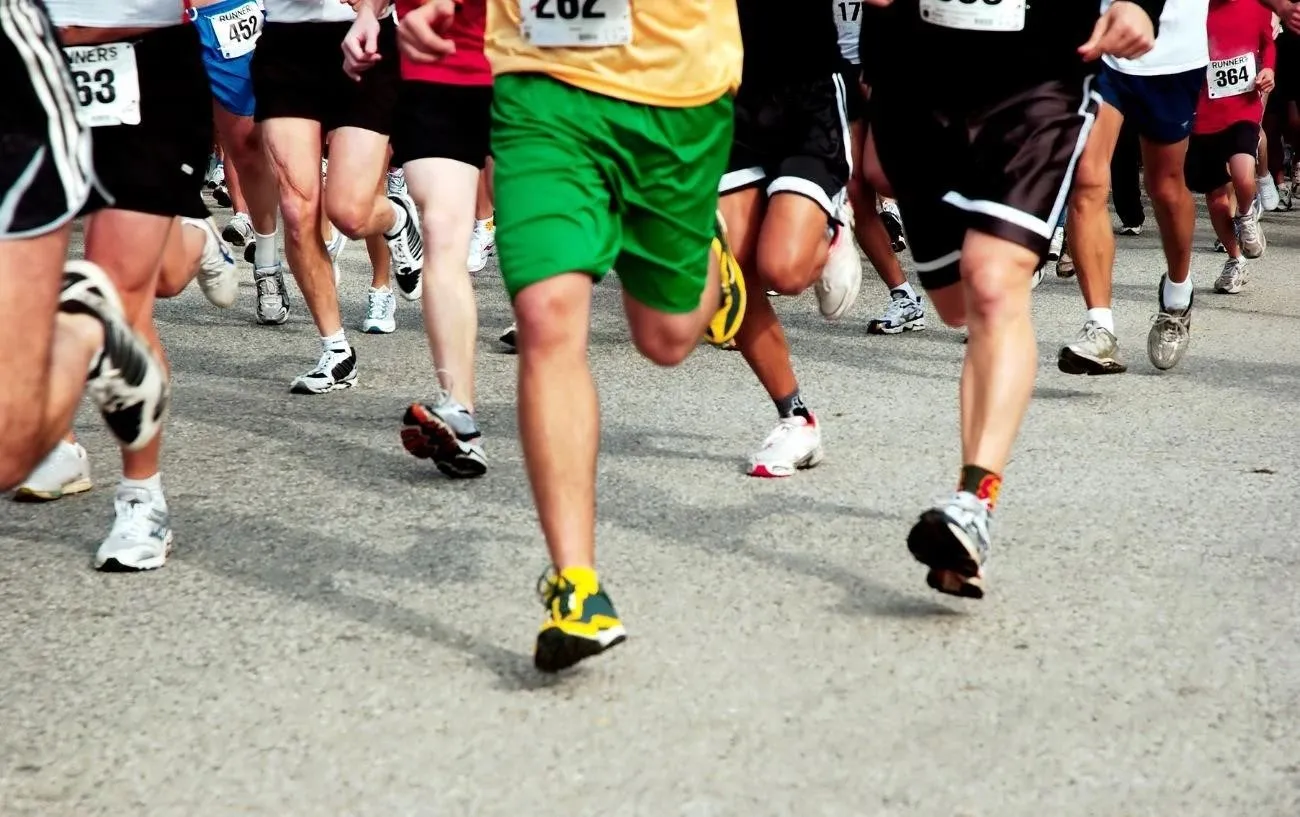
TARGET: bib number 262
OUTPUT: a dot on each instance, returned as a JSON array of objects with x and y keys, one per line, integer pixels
[
  {"x": 975, "y": 15},
  {"x": 576, "y": 23}
]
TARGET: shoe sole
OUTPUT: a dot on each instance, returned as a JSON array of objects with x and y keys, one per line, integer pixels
[
  {"x": 911, "y": 326},
  {"x": 338, "y": 385},
  {"x": 232, "y": 236},
  {"x": 25, "y": 494},
  {"x": 426, "y": 437},
  {"x": 954, "y": 568},
  {"x": 1071, "y": 362},
  {"x": 812, "y": 460},
  {"x": 557, "y": 650},
  {"x": 371, "y": 329},
  {"x": 118, "y": 566}
]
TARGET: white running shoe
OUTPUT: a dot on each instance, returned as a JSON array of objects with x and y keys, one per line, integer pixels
[
  {"x": 395, "y": 181},
  {"x": 407, "y": 249},
  {"x": 64, "y": 471},
  {"x": 216, "y": 264},
  {"x": 1058, "y": 244},
  {"x": 1250, "y": 234},
  {"x": 334, "y": 247},
  {"x": 841, "y": 278},
  {"x": 141, "y": 538},
  {"x": 903, "y": 314},
  {"x": 1268, "y": 192},
  {"x": 239, "y": 231},
  {"x": 336, "y": 369},
  {"x": 481, "y": 244},
  {"x": 795, "y": 443},
  {"x": 272, "y": 299},
  {"x": 1233, "y": 277},
  {"x": 381, "y": 312}
]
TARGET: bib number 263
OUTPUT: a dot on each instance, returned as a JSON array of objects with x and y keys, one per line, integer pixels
[
  {"x": 108, "y": 83},
  {"x": 975, "y": 15},
  {"x": 576, "y": 23}
]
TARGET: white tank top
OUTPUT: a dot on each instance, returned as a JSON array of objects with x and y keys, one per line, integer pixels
[
  {"x": 116, "y": 13},
  {"x": 848, "y": 20},
  {"x": 309, "y": 11},
  {"x": 1182, "y": 45}
]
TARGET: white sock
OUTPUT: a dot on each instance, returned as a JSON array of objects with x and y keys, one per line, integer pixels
[
  {"x": 266, "y": 251},
  {"x": 151, "y": 484},
  {"x": 1104, "y": 317},
  {"x": 399, "y": 219},
  {"x": 337, "y": 342},
  {"x": 906, "y": 288},
  {"x": 1177, "y": 296}
]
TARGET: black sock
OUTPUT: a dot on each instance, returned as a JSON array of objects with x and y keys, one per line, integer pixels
[
  {"x": 981, "y": 482},
  {"x": 792, "y": 406}
]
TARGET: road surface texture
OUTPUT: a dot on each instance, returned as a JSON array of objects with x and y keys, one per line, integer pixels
[{"x": 342, "y": 631}]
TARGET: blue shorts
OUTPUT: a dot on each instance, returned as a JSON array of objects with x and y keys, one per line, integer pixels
[
  {"x": 1160, "y": 107},
  {"x": 230, "y": 27}
]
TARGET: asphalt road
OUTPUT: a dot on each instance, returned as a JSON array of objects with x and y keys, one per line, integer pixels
[{"x": 342, "y": 631}]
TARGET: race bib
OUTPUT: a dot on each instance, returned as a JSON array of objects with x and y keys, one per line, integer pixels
[
  {"x": 237, "y": 30},
  {"x": 1232, "y": 77},
  {"x": 108, "y": 83},
  {"x": 975, "y": 15},
  {"x": 576, "y": 23},
  {"x": 848, "y": 14}
]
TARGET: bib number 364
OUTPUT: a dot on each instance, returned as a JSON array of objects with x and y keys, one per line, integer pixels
[
  {"x": 1231, "y": 77},
  {"x": 576, "y": 23},
  {"x": 108, "y": 83},
  {"x": 975, "y": 15}
]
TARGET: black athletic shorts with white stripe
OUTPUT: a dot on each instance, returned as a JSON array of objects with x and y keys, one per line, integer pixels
[
  {"x": 792, "y": 138},
  {"x": 46, "y": 172},
  {"x": 1003, "y": 169}
]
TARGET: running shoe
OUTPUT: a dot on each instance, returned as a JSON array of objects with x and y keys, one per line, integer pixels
[
  {"x": 216, "y": 264},
  {"x": 63, "y": 472},
  {"x": 336, "y": 370},
  {"x": 580, "y": 619},
  {"x": 1233, "y": 277},
  {"x": 1171, "y": 332},
  {"x": 794, "y": 444},
  {"x": 407, "y": 249},
  {"x": 1218, "y": 246},
  {"x": 216, "y": 172},
  {"x": 126, "y": 380},
  {"x": 395, "y": 182},
  {"x": 1094, "y": 351},
  {"x": 1065, "y": 263},
  {"x": 1037, "y": 277},
  {"x": 893, "y": 219},
  {"x": 446, "y": 433},
  {"x": 250, "y": 251},
  {"x": 381, "y": 312},
  {"x": 509, "y": 338},
  {"x": 481, "y": 244},
  {"x": 1058, "y": 244},
  {"x": 141, "y": 536},
  {"x": 221, "y": 195},
  {"x": 903, "y": 314},
  {"x": 272, "y": 298},
  {"x": 731, "y": 308},
  {"x": 841, "y": 278},
  {"x": 239, "y": 231},
  {"x": 1250, "y": 234},
  {"x": 1268, "y": 192},
  {"x": 334, "y": 248},
  {"x": 1130, "y": 230},
  {"x": 952, "y": 539}
]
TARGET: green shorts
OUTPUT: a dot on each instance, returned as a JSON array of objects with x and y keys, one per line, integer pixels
[{"x": 588, "y": 183}]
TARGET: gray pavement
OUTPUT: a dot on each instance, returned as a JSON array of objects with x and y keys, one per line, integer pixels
[{"x": 342, "y": 631}]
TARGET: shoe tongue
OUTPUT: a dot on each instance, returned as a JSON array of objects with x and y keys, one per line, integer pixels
[
  {"x": 899, "y": 295},
  {"x": 134, "y": 496}
]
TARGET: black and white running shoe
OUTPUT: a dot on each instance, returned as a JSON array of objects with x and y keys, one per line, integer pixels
[
  {"x": 509, "y": 338},
  {"x": 336, "y": 369},
  {"x": 126, "y": 380},
  {"x": 447, "y": 434},
  {"x": 407, "y": 249}
]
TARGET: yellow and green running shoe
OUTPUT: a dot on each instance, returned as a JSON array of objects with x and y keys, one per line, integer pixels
[
  {"x": 580, "y": 619},
  {"x": 726, "y": 321}
]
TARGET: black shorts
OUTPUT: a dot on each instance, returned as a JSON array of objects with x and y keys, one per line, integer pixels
[
  {"x": 442, "y": 121},
  {"x": 1287, "y": 72},
  {"x": 46, "y": 173},
  {"x": 793, "y": 138},
  {"x": 1006, "y": 169},
  {"x": 298, "y": 74},
  {"x": 1206, "y": 167},
  {"x": 855, "y": 103},
  {"x": 157, "y": 166}
]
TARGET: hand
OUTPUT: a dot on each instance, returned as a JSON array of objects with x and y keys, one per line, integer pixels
[
  {"x": 355, "y": 4},
  {"x": 1266, "y": 81},
  {"x": 420, "y": 35},
  {"x": 1290, "y": 15},
  {"x": 361, "y": 45},
  {"x": 1124, "y": 31}
]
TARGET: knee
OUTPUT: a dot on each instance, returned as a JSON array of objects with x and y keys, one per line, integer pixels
[
  {"x": 549, "y": 322},
  {"x": 1091, "y": 182},
  {"x": 664, "y": 345},
  {"x": 170, "y": 286},
  {"x": 441, "y": 229},
  {"x": 996, "y": 288},
  {"x": 786, "y": 269},
  {"x": 351, "y": 215},
  {"x": 301, "y": 216}
]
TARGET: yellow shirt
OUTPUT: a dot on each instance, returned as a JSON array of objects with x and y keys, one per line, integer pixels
[{"x": 683, "y": 53}]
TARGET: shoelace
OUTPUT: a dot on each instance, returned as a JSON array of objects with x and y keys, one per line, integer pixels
[
  {"x": 784, "y": 428},
  {"x": 898, "y": 309},
  {"x": 377, "y": 303},
  {"x": 132, "y": 520},
  {"x": 1173, "y": 328},
  {"x": 326, "y": 362}
]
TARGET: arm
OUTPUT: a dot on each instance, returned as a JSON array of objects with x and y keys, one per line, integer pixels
[
  {"x": 1153, "y": 8},
  {"x": 1267, "y": 47},
  {"x": 1287, "y": 10}
]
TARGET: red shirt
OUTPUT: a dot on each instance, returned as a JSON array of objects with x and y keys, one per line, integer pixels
[
  {"x": 469, "y": 65},
  {"x": 1237, "y": 28}
]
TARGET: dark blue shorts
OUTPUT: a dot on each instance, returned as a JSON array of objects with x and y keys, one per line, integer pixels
[
  {"x": 228, "y": 31},
  {"x": 1160, "y": 107}
]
